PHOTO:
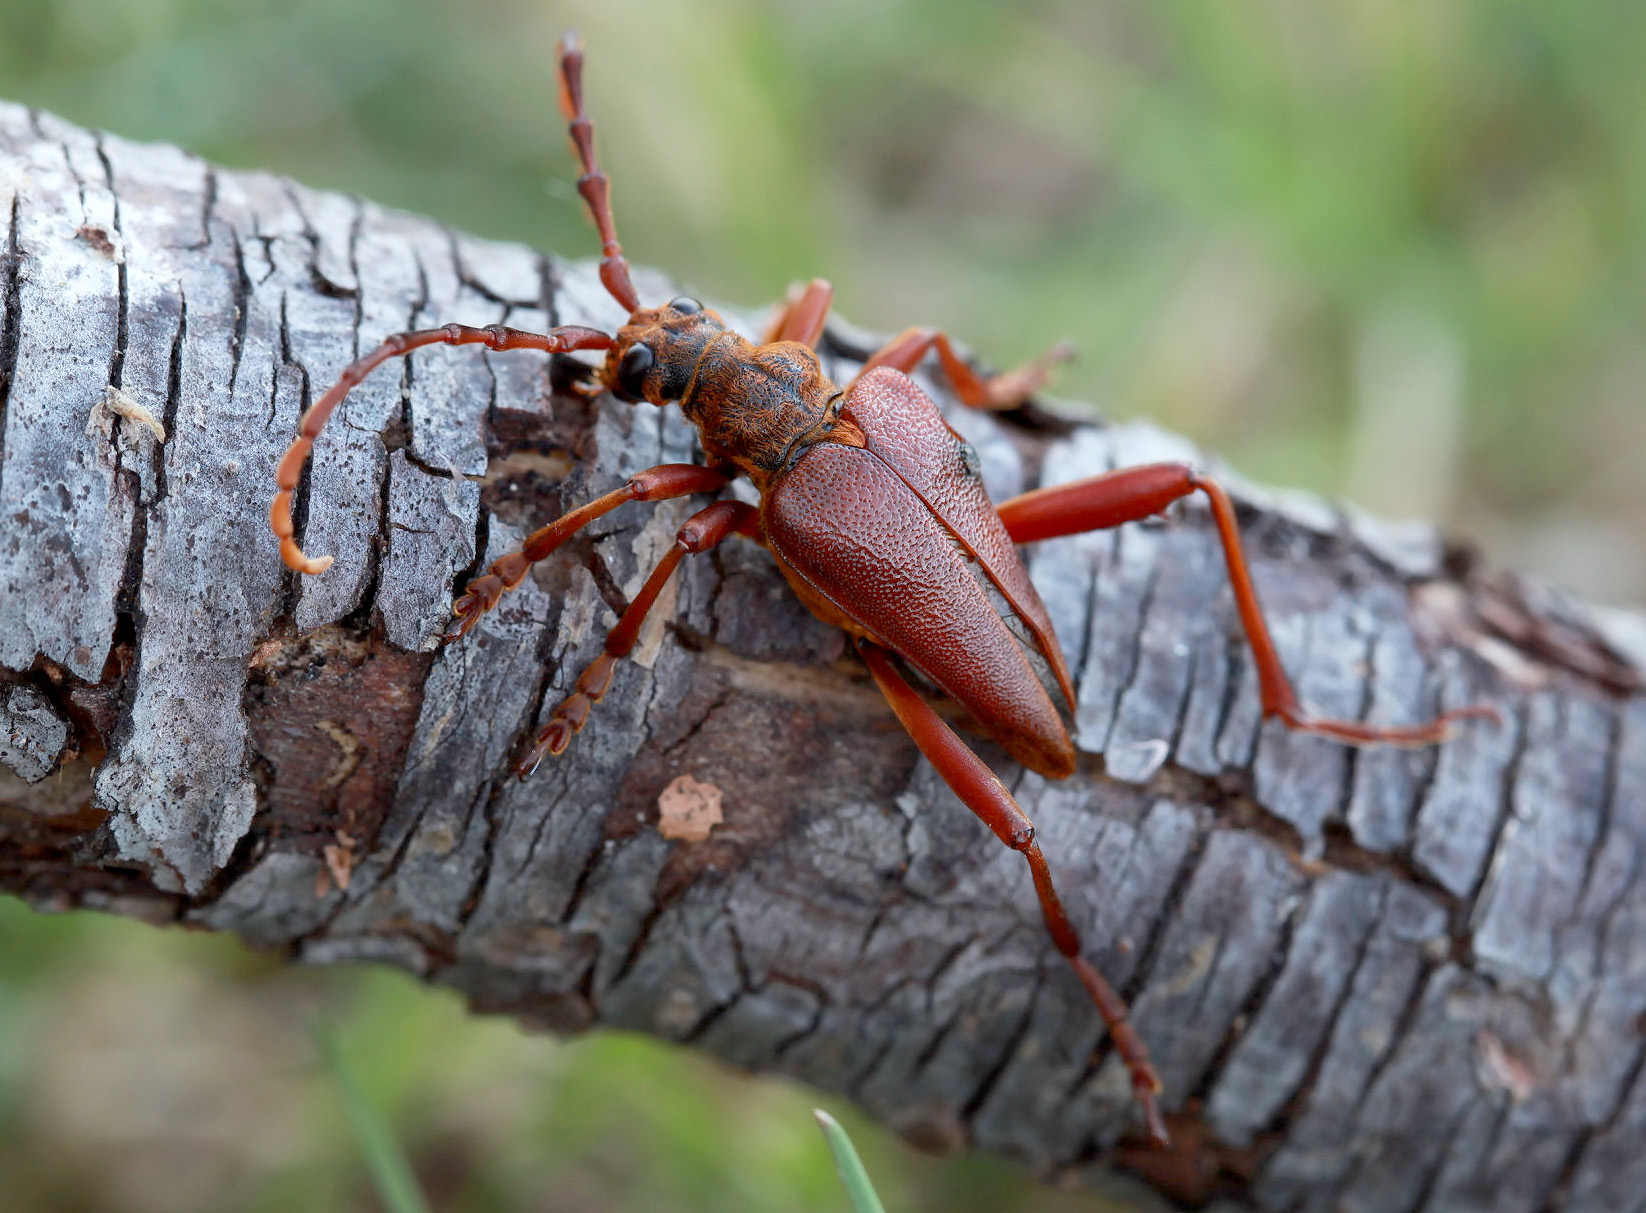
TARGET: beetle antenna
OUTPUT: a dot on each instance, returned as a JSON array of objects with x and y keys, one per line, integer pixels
[
  {"x": 594, "y": 185},
  {"x": 494, "y": 337}
]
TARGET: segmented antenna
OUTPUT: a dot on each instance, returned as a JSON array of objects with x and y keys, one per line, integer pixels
[{"x": 594, "y": 185}]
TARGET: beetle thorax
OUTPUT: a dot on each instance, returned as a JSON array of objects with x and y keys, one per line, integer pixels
[
  {"x": 759, "y": 406},
  {"x": 755, "y": 406}
]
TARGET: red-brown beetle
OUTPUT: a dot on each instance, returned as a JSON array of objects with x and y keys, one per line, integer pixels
[{"x": 875, "y": 512}]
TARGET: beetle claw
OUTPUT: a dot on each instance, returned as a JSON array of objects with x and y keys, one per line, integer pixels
[
  {"x": 462, "y": 621},
  {"x": 480, "y": 597},
  {"x": 1153, "y": 1122},
  {"x": 551, "y": 742},
  {"x": 558, "y": 736}
]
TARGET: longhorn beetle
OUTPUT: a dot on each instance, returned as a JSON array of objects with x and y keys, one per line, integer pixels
[{"x": 874, "y": 511}]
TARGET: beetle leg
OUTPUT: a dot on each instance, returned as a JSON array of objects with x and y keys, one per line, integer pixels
[
  {"x": 804, "y": 314},
  {"x": 1131, "y": 494},
  {"x": 984, "y": 794},
  {"x": 1004, "y": 391},
  {"x": 493, "y": 337},
  {"x": 660, "y": 483},
  {"x": 702, "y": 531}
]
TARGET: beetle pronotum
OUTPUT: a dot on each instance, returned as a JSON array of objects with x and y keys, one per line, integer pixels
[{"x": 874, "y": 511}]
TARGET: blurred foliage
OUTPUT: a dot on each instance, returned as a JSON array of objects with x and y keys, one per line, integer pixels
[
  {"x": 1389, "y": 246},
  {"x": 146, "y": 1071},
  {"x": 391, "y": 1172},
  {"x": 853, "y": 1174},
  {"x": 1230, "y": 205}
]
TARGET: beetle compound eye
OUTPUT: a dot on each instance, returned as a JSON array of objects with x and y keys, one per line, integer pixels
[
  {"x": 631, "y": 373},
  {"x": 686, "y": 305}
]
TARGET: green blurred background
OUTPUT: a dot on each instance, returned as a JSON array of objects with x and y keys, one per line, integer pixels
[{"x": 1387, "y": 249}]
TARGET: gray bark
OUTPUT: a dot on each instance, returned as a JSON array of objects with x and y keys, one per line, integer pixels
[{"x": 1378, "y": 979}]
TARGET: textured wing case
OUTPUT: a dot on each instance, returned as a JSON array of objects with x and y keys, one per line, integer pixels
[
  {"x": 905, "y": 429},
  {"x": 897, "y": 558}
]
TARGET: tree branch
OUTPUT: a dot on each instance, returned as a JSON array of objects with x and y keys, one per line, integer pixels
[{"x": 1371, "y": 979}]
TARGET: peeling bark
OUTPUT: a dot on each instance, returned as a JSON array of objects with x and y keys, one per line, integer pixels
[{"x": 1378, "y": 979}]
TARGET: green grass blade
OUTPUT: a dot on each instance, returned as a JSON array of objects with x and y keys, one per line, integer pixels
[
  {"x": 849, "y": 1165},
  {"x": 391, "y": 1173}
]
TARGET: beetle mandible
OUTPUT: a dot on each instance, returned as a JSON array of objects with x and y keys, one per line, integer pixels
[{"x": 874, "y": 511}]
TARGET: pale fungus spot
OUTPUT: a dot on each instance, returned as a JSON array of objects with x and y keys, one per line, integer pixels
[
  {"x": 350, "y": 755},
  {"x": 116, "y": 403},
  {"x": 1501, "y": 1070},
  {"x": 340, "y": 859},
  {"x": 104, "y": 241},
  {"x": 688, "y": 810}
]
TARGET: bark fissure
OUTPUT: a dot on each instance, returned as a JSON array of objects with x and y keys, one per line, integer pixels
[
  {"x": 376, "y": 553},
  {"x": 117, "y": 360},
  {"x": 11, "y": 323},
  {"x": 174, "y": 394},
  {"x": 1577, "y": 1154},
  {"x": 1236, "y": 658},
  {"x": 1568, "y": 1166},
  {"x": 1431, "y": 1180},
  {"x": 990, "y": 1080},
  {"x": 1299, "y": 1098},
  {"x": 1135, "y": 657},
  {"x": 1424, "y": 788},
  {"x": 785, "y": 1046},
  {"x": 1518, "y": 721},
  {"x": 1410, "y": 1010},
  {"x": 1603, "y": 830},
  {"x": 300, "y": 499},
  {"x": 208, "y": 207},
  {"x": 1149, "y": 955},
  {"x": 242, "y": 309},
  {"x": 1253, "y": 1004},
  {"x": 1363, "y": 709}
]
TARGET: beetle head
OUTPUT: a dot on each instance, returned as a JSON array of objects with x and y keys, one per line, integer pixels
[{"x": 657, "y": 351}]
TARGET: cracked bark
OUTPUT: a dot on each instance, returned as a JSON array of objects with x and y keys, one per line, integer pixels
[{"x": 1391, "y": 980}]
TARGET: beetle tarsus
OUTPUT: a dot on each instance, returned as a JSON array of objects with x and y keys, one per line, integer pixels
[
  {"x": 1013, "y": 388},
  {"x": 1132, "y": 494},
  {"x": 1351, "y": 732},
  {"x": 1007, "y": 390}
]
